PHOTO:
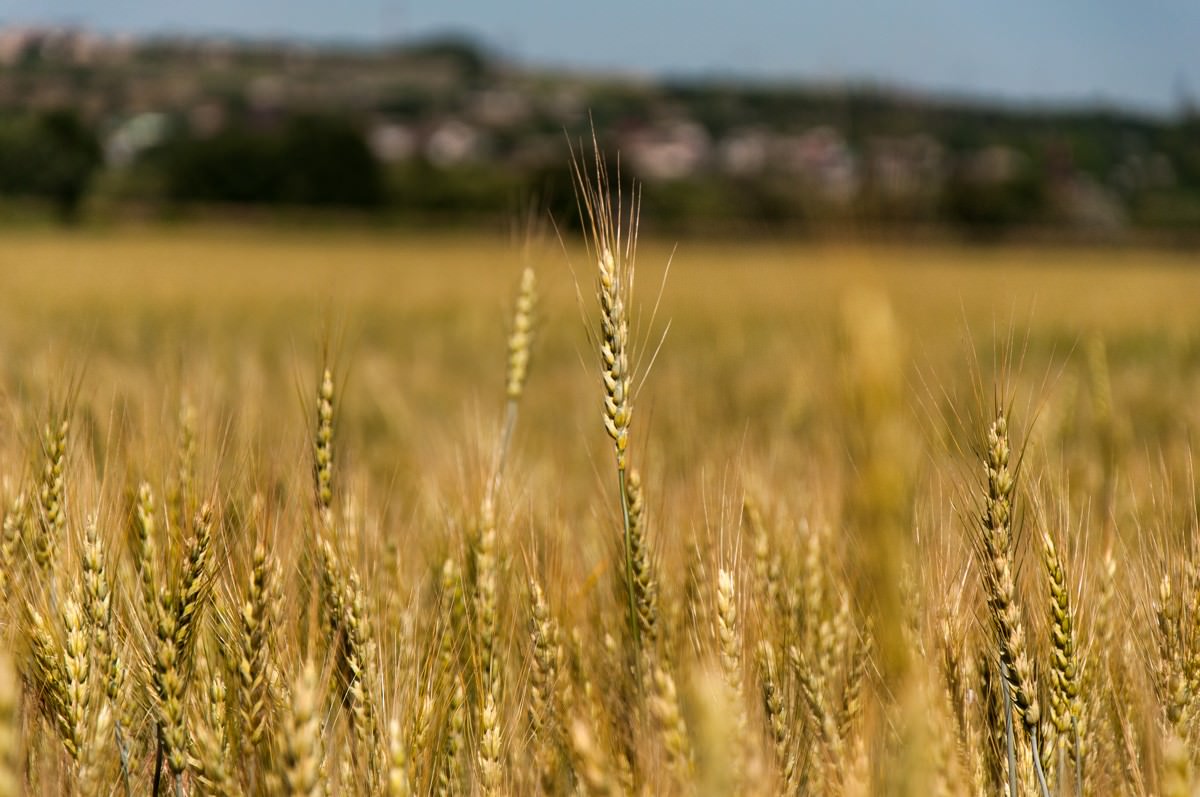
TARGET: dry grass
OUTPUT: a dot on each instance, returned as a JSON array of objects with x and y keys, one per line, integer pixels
[{"x": 335, "y": 514}]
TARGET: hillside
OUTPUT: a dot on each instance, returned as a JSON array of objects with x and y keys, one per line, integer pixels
[{"x": 447, "y": 131}]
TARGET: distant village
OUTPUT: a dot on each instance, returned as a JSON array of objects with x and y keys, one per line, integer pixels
[{"x": 478, "y": 130}]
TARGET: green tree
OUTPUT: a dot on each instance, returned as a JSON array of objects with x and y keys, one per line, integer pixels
[{"x": 50, "y": 156}]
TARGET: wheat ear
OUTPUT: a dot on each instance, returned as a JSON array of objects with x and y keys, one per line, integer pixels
[
  {"x": 52, "y": 495},
  {"x": 1066, "y": 706},
  {"x": 10, "y": 731},
  {"x": 212, "y": 758},
  {"x": 544, "y": 716},
  {"x": 146, "y": 530},
  {"x": 77, "y": 668},
  {"x": 258, "y": 618},
  {"x": 775, "y": 710},
  {"x": 664, "y": 706},
  {"x": 323, "y": 451},
  {"x": 491, "y": 773},
  {"x": 359, "y": 654},
  {"x": 1000, "y": 584},
  {"x": 12, "y": 536},
  {"x": 520, "y": 346},
  {"x": 449, "y": 773},
  {"x": 398, "y": 782},
  {"x": 301, "y": 742},
  {"x": 98, "y": 608},
  {"x": 614, "y": 250},
  {"x": 645, "y": 584}
]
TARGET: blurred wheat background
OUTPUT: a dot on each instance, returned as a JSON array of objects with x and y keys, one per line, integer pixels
[{"x": 889, "y": 520}]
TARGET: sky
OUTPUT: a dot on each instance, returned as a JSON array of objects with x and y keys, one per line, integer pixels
[{"x": 1137, "y": 54}]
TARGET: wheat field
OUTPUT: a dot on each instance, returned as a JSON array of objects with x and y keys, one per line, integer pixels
[{"x": 331, "y": 512}]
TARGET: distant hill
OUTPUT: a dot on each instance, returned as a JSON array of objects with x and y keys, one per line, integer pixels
[{"x": 446, "y": 129}]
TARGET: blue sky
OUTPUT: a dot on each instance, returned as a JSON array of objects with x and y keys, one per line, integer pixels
[{"x": 1136, "y": 54}]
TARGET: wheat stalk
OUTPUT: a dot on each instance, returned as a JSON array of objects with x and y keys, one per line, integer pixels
[{"x": 614, "y": 248}]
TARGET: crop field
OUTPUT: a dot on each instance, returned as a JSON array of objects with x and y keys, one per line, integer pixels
[{"x": 331, "y": 512}]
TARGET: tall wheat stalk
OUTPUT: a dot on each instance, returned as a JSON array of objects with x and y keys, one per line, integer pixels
[{"x": 614, "y": 245}]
